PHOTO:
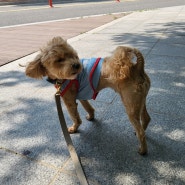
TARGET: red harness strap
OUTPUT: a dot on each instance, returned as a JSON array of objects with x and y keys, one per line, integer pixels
[
  {"x": 75, "y": 81},
  {"x": 91, "y": 75},
  {"x": 68, "y": 86}
]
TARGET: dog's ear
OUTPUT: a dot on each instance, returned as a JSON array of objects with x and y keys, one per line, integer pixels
[
  {"x": 35, "y": 69},
  {"x": 57, "y": 40}
]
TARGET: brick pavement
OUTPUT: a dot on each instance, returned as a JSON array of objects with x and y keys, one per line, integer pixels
[{"x": 19, "y": 41}]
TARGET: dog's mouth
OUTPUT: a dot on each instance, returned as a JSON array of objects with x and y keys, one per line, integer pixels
[
  {"x": 74, "y": 74},
  {"x": 76, "y": 69}
]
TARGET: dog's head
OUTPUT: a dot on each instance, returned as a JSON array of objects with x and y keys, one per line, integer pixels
[{"x": 58, "y": 60}]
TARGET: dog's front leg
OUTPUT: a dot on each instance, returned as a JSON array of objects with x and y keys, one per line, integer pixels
[
  {"x": 71, "y": 106},
  {"x": 90, "y": 110},
  {"x": 73, "y": 112}
]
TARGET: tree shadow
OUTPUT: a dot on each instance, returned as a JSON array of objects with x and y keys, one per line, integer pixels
[
  {"x": 107, "y": 147},
  {"x": 166, "y": 103}
]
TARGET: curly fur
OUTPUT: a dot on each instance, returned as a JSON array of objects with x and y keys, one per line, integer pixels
[{"x": 58, "y": 60}]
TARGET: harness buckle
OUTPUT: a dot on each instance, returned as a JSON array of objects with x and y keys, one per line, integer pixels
[{"x": 58, "y": 86}]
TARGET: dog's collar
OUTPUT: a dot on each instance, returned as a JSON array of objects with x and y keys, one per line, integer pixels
[
  {"x": 51, "y": 80},
  {"x": 55, "y": 81},
  {"x": 58, "y": 83}
]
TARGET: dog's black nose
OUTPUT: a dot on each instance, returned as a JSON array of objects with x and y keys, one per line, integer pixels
[{"x": 75, "y": 66}]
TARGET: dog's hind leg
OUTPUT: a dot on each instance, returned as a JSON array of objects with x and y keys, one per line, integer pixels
[
  {"x": 133, "y": 105},
  {"x": 145, "y": 117},
  {"x": 140, "y": 133},
  {"x": 89, "y": 109}
]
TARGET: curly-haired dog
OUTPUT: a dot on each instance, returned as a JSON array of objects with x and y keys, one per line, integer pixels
[{"x": 83, "y": 79}]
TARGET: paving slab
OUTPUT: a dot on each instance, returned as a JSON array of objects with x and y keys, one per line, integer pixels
[{"x": 33, "y": 149}]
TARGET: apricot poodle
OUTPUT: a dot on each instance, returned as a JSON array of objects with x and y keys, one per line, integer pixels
[{"x": 83, "y": 79}]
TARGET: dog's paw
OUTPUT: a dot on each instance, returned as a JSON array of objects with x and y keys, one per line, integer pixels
[
  {"x": 72, "y": 129},
  {"x": 142, "y": 151},
  {"x": 90, "y": 117}
]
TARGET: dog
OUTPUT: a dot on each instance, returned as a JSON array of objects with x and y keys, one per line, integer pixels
[{"x": 83, "y": 79}]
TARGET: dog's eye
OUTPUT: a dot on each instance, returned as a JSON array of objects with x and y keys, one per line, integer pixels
[{"x": 60, "y": 60}]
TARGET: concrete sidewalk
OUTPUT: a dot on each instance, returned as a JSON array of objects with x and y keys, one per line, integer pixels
[{"x": 33, "y": 150}]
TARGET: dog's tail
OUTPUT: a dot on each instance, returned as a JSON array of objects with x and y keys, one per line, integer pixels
[
  {"x": 140, "y": 62},
  {"x": 130, "y": 52},
  {"x": 138, "y": 65},
  {"x": 123, "y": 63}
]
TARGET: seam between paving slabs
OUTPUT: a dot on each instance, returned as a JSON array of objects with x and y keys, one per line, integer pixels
[{"x": 61, "y": 169}]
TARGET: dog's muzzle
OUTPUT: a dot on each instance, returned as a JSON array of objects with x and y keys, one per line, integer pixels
[{"x": 76, "y": 66}]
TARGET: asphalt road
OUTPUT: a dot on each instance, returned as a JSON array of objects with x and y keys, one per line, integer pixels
[{"x": 27, "y": 13}]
